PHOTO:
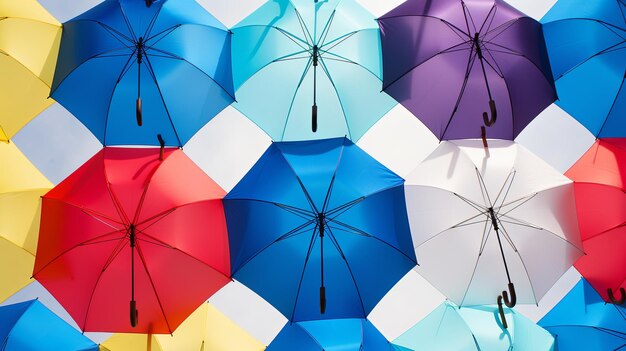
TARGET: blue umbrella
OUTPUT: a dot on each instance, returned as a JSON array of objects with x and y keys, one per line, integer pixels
[
  {"x": 319, "y": 229},
  {"x": 450, "y": 328},
  {"x": 307, "y": 69},
  {"x": 130, "y": 70},
  {"x": 583, "y": 321},
  {"x": 586, "y": 43},
  {"x": 330, "y": 335},
  {"x": 30, "y": 325}
]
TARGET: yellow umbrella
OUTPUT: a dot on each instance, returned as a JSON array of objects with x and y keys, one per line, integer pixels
[
  {"x": 21, "y": 188},
  {"x": 29, "y": 45},
  {"x": 206, "y": 329}
]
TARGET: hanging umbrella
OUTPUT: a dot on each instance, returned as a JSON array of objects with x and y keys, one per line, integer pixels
[
  {"x": 484, "y": 219},
  {"x": 330, "y": 334},
  {"x": 307, "y": 69},
  {"x": 130, "y": 225},
  {"x": 599, "y": 184},
  {"x": 130, "y": 70},
  {"x": 206, "y": 329},
  {"x": 29, "y": 43},
  {"x": 451, "y": 61},
  {"x": 583, "y": 321},
  {"x": 30, "y": 325},
  {"x": 21, "y": 186},
  {"x": 587, "y": 47},
  {"x": 452, "y": 328},
  {"x": 306, "y": 222}
]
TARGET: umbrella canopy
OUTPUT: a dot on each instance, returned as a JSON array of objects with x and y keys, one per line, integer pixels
[
  {"x": 128, "y": 226},
  {"x": 583, "y": 321},
  {"x": 206, "y": 329},
  {"x": 450, "y": 61},
  {"x": 467, "y": 329},
  {"x": 330, "y": 334},
  {"x": 30, "y": 325},
  {"x": 482, "y": 218},
  {"x": 326, "y": 208},
  {"x": 21, "y": 186},
  {"x": 587, "y": 47},
  {"x": 129, "y": 70},
  {"x": 308, "y": 69},
  {"x": 599, "y": 184},
  {"x": 29, "y": 44}
]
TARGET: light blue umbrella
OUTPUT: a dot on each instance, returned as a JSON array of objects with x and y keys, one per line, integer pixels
[
  {"x": 450, "y": 328},
  {"x": 583, "y": 321},
  {"x": 31, "y": 326},
  {"x": 586, "y": 43},
  {"x": 305, "y": 65}
]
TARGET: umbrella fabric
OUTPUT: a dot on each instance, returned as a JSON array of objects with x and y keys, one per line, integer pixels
[
  {"x": 306, "y": 222},
  {"x": 289, "y": 56},
  {"x": 172, "y": 58},
  {"x": 31, "y": 326},
  {"x": 446, "y": 61},
  {"x": 206, "y": 329},
  {"x": 128, "y": 227},
  {"x": 586, "y": 43},
  {"x": 450, "y": 328},
  {"x": 583, "y": 321},
  {"x": 29, "y": 44},
  {"x": 21, "y": 186},
  {"x": 330, "y": 335},
  {"x": 599, "y": 184},
  {"x": 485, "y": 217}
]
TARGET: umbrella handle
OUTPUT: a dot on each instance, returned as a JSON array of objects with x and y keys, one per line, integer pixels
[
  {"x": 314, "y": 118},
  {"x": 513, "y": 301},
  {"x": 501, "y": 311},
  {"x": 149, "y": 3},
  {"x": 489, "y": 121},
  {"x": 322, "y": 299},
  {"x": 134, "y": 314},
  {"x": 139, "y": 112},
  {"x": 483, "y": 135},
  {"x": 612, "y": 298},
  {"x": 162, "y": 143}
]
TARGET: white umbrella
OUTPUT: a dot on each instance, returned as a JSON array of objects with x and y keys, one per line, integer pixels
[{"x": 484, "y": 219}]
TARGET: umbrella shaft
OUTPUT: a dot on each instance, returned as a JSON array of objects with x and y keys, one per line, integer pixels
[
  {"x": 496, "y": 228},
  {"x": 479, "y": 52}
]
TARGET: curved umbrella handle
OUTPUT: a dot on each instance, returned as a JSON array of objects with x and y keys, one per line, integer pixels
[
  {"x": 134, "y": 314},
  {"x": 314, "y": 119},
  {"x": 612, "y": 298},
  {"x": 322, "y": 299},
  {"x": 139, "y": 112},
  {"x": 489, "y": 121},
  {"x": 501, "y": 311},
  {"x": 510, "y": 303}
]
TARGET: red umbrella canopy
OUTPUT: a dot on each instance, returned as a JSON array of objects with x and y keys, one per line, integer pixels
[
  {"x": 599, "y": 184},
  {"x": 129, "y": 229}
]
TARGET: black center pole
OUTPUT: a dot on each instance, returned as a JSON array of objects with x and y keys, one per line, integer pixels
[
  {"x": 489, "y": 121},
  {"x": 505, "y": 296},
  {"x": 314, "y": 108},
  {"x": 321, "y": 220},
  {"x": 134, "y": 315},
  {"x": 138, "y": 106}
]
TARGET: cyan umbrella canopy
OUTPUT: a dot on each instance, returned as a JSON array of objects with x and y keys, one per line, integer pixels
[
  {"x": 330, "y": 335},
  {"x": 450, "y": 328},
  {"x": 165, "y": 66},
  {"x": 296, "y": 59},
  {"x": 586, "y": 43},
  {"x": 583, "y": 321},
  {"x": 30, "y": 325},
  {"x": 319, "y": 229}
]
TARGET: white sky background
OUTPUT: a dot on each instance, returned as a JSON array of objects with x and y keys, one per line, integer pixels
[{"x": 228, "y": 146}]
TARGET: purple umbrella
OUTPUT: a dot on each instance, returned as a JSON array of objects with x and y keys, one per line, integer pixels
[{"x": 451, "y": 61}]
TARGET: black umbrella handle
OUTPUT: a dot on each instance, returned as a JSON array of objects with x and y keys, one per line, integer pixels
[
  {"x": 491, "y": 120},
  {"x": 501, "y": 311},
  {"x": 134, "y": 314},
  {"x": 314, "y": 118},
  {"x": 139, "y": 112},
  {"x": 513, "y": 301},
  {"x": 322, "y": 299},
  {"x": 612, "y": 298}
]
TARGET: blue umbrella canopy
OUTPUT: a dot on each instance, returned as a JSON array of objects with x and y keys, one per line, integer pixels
[
  {"x": 586, "y": 43},
  {"x": 330, "y": 335},
  {"x": 319, "y": 229},
  {"x": 30, "y": 325},
  {"x": 304, "y": 65},
  {"x": 130, "y": 70},
  {"x": 449, "y": 327},
  {"x": 583, "y": 321}
]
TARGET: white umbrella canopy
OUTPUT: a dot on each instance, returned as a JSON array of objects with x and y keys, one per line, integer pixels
[{"x": 482, "y": 218}]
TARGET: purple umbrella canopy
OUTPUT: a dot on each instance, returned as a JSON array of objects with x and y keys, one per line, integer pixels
[{"x": 456, "y": 65}]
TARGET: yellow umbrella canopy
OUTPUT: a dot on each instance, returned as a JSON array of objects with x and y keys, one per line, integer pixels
[
  {"x": 29, "y": 45},
  {"x": 206, "y": 329},
  {"x": 21, "y": 188}
]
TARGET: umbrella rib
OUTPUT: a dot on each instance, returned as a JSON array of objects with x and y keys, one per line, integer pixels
[
  {"x": 483, "y": 188},
  {"x": 339, "y": 40},
  {"x": 495, "y": 67},
  {"x": 306, "y": 261},
  {"x": 89, "y": 212},
  {"x": 486, "y": 233},
  {"x": 306, "y": 193},
  {"x": 489, "y": 18},
  {"x": 468, "y": 19},
  {"x": 619, "y": 91},
  {"x": 340, "y": 58},
  {"x": 152, "y": 22},
  {"x": 549, "y": 80},
  {"x": 500, "y": 28},
  {"x": 453, "y": 27},
  {"x": 609, "y": 331},
  {"x": 304, "y": 28},
  {"x": 289, "y": 208},
  {"x": 468, "y": 71},
  {"x": 338, "y": 211},
  {"x": 116, "y": 203},
  {"x": 326, "y": 28},
  {"x": 127, "y": 21},
  {"x": 601, "y": 52},
  {"x": 295, "y": 93},
  {"x": 145, "y": 267},
  {"x": 523, "y": 201},
  {"x": 516, "y": 221},
  {"x": 332, "y": 180},
  {"x": 345, "y": 116},
  {"x": 333, "y": 240},
  {"x": 509, "y": 179},
  {"x": 476, "y": 206},
  {"x": 164, "y": 33}
]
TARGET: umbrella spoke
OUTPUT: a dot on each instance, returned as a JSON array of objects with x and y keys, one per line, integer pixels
[
  {"x": 333, "y": 43},
  {"x": 468, "y": 19},
  {"x": 486, "y": 233},
  {"x": 152, "y": 23},
  {"x": 128, "y": 25},
  {"x": 295, "y": 93},
  {"x": 521, "y": 201},
  {"x": 492, "y": 34},
  {"x": 485, "y": 237},
  {"x": 324, "y": 55},
  {"x": 619, "y": 92},
  {"x": 338, "y": 211},
  {"x": 516, "y": 221},
  {"x": 601, "y": 52},
  {"x": 488, "y": 19},
  {"x": 156, "y": 295},
  {"x": 483, "y": 189},
  {"x": 495, "y": 67},
  {"x": 476, "y": 206},
  {"x": 306, "y": 261},
  {"x": 305, "y": 30},
  {"x": 343, "y": 110},
  {"x": 509, "y": 180},
  {"x": 326, "y": 29},
  {"x": 468, "y": 71},
  {"x": 332, "y": 180}
]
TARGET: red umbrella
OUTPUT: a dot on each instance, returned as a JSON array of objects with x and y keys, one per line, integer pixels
[
  {"x": 599, "y": 183},
  {"x": 131, "y": 225}
]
